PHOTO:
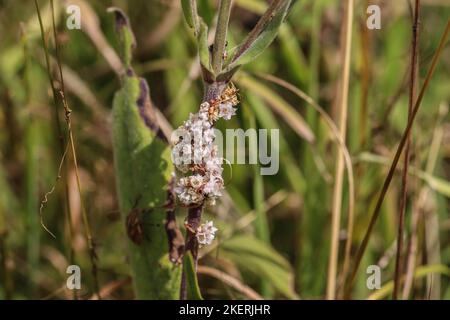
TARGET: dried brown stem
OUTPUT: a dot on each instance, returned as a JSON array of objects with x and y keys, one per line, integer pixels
[{"x": 404, "y": 190}]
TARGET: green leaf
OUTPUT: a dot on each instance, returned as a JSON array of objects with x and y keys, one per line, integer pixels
[
  {"x": 126, "y": 35},
  {"x": 143, "y": 168},
  {"x": 262, "y": 260},
  {"x": 193, "y": 290},
  {"x": 293, "y": 56},
  {"x": 263, "y": 40}
]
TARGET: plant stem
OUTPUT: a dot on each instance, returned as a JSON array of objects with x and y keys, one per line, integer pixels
[
  {"x": 404, "y": 190},
  {"x": 195, "y": 16},
  {"x": 398, "y": 153},
  {"x": 212, "y": 91},
  {"x": 61, "y": 142},
  {"x": 339, "y": 173},
  {"x": 67, "y": 112},
  {"x": 66, "y": 165},
  {"x": 221, "y": 35},
  {"x": 193, "y": 222}
]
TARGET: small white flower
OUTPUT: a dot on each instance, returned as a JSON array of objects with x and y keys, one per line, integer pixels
[
  {"x": 213, "y": 186},
  {"x": 208, "y": 136},
  {"x": 184, "y": 197},
  {"x": 204, "y": 107},
  {"x": 195, "y": 197},
  {"x": 226, "y": 110},
  {"x": 206, "y": 233},
  {"x": 196, "y": 181}
]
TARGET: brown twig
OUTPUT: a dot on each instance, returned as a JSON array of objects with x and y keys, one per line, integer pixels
[
  {"x": 71, "y": 143},
  {"x": 404, "y": 189}
]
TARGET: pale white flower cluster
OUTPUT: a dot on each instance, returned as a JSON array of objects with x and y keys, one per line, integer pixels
[
  {"x": 199, "y": 176},
  {"x": 206, "y": 233}
]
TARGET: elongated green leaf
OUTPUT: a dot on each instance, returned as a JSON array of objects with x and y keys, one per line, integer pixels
[
  {"x": 264, "y": 39},
  {"x": 143, "y": 167},
  {"x": 193, "y": 290},
  {"x": 290, "y": 48},
  {"x": 293, "y": 55},
  {"x": 259, "y": 258},
  {"x": 126, "y": 35}
]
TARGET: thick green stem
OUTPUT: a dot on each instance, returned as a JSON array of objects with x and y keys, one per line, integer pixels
[
  {"x": 192, "y": 223},
  {"x": 221, "y": 35}
]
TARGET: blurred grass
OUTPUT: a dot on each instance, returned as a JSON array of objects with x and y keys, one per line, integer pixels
[{"x": 287, "y": 243}]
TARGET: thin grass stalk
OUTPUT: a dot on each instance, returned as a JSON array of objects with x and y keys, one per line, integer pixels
[
  {"x": 70, "y": 137},
  {"x": 68, "y": 111},
  {"x": 395, "y": 160},
  {"x": 363, "y": 118},
  {"x": 63, "y": 166},
  {"x": 87, "y": 227},
  {"x": 404, "y": 189},
  {"x": 57, "y": 125},
  {"x": 67, "y": 210},
  {"x": 339, "y": 173}
]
